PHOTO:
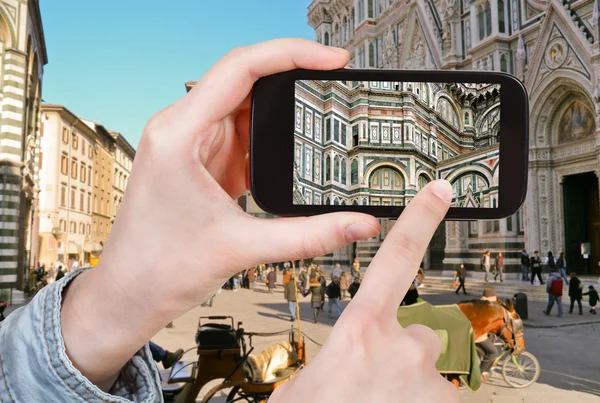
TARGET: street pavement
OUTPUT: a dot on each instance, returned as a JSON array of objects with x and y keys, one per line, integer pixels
[{"x": 567, "y": 354}]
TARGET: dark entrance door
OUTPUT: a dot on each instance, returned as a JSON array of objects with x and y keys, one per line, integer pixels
[
  {"x": 437, "y": 246},
  {"x": 582, "y": 221}
]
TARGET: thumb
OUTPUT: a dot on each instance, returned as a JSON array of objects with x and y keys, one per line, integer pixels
[{"x": 275, "y": 240}]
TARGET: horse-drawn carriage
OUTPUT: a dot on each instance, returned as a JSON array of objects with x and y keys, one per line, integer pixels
[
  {"x": 225, "y": 352},
  {"x": 459, "y": 325}
]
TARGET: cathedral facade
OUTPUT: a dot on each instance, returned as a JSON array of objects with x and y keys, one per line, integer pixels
[
  {"x": 378, "y": 143},
  {"x": 553, "y": 46}
]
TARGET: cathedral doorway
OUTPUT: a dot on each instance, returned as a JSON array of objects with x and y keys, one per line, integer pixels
[
  {"x": 581, "y": 202},
  {"x": 436, "y": 248}
]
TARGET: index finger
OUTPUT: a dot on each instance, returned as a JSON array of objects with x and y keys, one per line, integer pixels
[
  {"x": 227, "y": 84},
  {"x": 394, "y": 266}
]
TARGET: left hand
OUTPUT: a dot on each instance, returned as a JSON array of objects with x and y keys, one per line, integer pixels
[{"x": 179, "y": 234}]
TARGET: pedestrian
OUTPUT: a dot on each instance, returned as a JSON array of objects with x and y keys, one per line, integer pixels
[
  {"x": 303, "y": 277},
  {"x": 271, "y": 279},
  {"x": 344, "y": 285},
  {"x": 353, "y": 289},
  {"x": 61, "y": 272},
  {"x": 167, "y": 357},
  {"x": 561, "y": 264},
  {"x": 524, "y": 266},
  {"x": 592, "y": 298},
  {"x": 333, "y": 293},
  {"x": 461, "y": 273},
  {"x": 252, "y": 278},
  {"x": 575, "y": 290},
  {"x": 323, "y": 287},
  {"x": 536, "y": 267},
  {"x": 286, "y": 277},
  {"x": 355, "y": 268},
  {"x": 317, "y": 297},
  {"x": 499, "y": 267},
  {"x": 550, "y": 262},
  {"x": 554, "y": 288},
  {"x": 412, "y": 295},
  {"x": 336, "y": 272},
  {"x": 289, "y": 293},
  {"x": 485, "y": 264}
]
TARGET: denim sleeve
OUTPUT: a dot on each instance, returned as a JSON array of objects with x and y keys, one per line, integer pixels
[{"x": 34, "y": 366}]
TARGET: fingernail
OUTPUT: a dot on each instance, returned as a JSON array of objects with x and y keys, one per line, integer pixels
[
  {"x": 358, "y": 231},
  {"x": 340, "y": 50},
  {"x": 442, "y": 189}
]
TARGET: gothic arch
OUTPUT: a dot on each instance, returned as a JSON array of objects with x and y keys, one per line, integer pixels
[
  {"x": 7, "y": 32},
  {"x": 480, "y": 169},
  {"x": 381, "y": 164},
  {"x": 443, "y": 95},
  {"x": 425, "y": 173},
  {"x": 548, "y": 99},
  {"x": 479, "y": 122}
]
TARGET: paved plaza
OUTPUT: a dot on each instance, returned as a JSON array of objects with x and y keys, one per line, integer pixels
[{"x": 570, "y": 371}]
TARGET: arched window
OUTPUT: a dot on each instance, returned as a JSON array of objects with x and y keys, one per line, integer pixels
[
  {"x": 326, "y": 40},
  {"x": 467, "y": 118},
  {"x": 343, "y": 162},
  {"x": 501, "y": 17},
  {"x": 386, "y": 178},
  {"x": 488, "y": 19},
  {"x": 354, "y": 172},
  {"x": 328, "y": 168},
  {"x": 336, "y": 201},
  {"x": 336, "y": 35},
  {"x": 371, "y": 55},
  {"x": 371, "y": 8},
  {"x": 336, "y": 168},
  {"x": 423, "y": 181},
  {"x": 481, "y": 22},
  {"x": 503, "y": 63},
  {"x": 344, "y": 30}
]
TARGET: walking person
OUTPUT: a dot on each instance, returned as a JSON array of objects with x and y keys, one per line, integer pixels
[
  {"x": 536, "y": 267},
  {"x": 317, "y": 297},
  {"x": 550, "y": 262},
  {"x": 461, "y": 273},
  {"x": 353, "y": 289},
  {"x": 323, "y": 287},
  {"x": 525, "y": 266},
  {"x": 303, "y": 277},
  {"x": 485, "y": 264},
  {"x": 271, "y": 279},
  {"x": 336, "y": 272},
  {"x": 344, "y": 285},
  {"x": 499, "y": 267},
  {"x": 252, "y": 277},
  {"x": 592, "y": 298},
  {"x": 554, "y": 288},
  {"x": 561, "y": 263},
  {"x": 355, "y": 271},
  {"x": 575, "y": 290},
  {"x": 289, "y": 293},
  {"x": 333, "y": 293}
]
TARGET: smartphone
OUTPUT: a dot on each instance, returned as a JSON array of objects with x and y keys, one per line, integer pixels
[{"x": 369, "y": 140}]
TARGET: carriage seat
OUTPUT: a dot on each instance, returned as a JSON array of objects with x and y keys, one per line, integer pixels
[
  {"x": 216, "y": 336},
  {"x": 183, "y": 371},
  {"x": 271, "y": 364}
]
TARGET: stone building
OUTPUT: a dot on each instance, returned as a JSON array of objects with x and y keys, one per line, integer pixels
[
  {"x": 124, "y": 155},
  {"x": 102, "y": 207},
  {"x": 66, "y": 161},
  {"x": 22, "y": 60},
  {"x": 553, "y": 46}
]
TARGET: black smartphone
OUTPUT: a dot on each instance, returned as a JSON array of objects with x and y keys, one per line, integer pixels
[{"x": 368, "y": 140}]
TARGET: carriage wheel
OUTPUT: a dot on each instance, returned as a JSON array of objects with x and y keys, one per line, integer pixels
[
  {"x": 520, "y": 371},
  {"x": 237, "y": 395}
]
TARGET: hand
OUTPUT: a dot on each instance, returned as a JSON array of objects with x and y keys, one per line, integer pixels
[
  {"x": 382, "y": 361},
  {"x": 179, "y": 234}
]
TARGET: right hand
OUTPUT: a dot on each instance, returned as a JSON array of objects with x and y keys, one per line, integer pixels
[{"x": 382, "y": 362}]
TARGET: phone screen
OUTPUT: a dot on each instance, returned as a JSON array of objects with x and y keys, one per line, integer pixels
[{"x": 378, "y": 143}]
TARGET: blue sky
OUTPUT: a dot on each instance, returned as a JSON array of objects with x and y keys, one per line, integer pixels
[{"x": 119, "y": 61}]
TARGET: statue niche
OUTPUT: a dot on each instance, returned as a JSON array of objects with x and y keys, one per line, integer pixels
[{"x": 577, "y": 122}]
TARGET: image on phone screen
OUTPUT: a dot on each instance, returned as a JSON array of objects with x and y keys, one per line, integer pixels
[{"x": 377, "y": 143}]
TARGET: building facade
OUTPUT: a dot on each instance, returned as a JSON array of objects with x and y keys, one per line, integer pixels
[
  {"x": 124, "y": 155},
  {"x": 102, "y": 207},
  {"x": 553, "y": 46},
  {"x": 22, "y": 60},
  {"x": 65, "y": 170}
]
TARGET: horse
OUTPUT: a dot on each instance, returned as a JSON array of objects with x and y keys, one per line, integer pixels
[{"x": 497, "y": 318}]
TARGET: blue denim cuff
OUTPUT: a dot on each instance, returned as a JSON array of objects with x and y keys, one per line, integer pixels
[{"x": 34, "y": 366}]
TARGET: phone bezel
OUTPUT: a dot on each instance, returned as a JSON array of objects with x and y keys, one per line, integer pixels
[{"x": 272, "y": 151}]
